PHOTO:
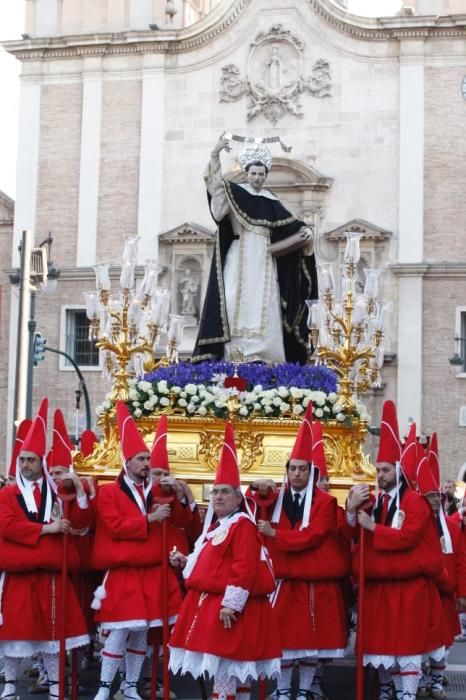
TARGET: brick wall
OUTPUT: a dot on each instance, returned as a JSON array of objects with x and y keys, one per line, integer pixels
[{"x": 119, "y": 167}]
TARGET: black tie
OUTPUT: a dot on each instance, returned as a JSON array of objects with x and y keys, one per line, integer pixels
[{"x": 296, "y": 500}]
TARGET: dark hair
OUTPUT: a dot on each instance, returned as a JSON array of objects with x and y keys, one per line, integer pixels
[
  {"x": 309, "y": 464},
  {"x": 257, "y": 163}
]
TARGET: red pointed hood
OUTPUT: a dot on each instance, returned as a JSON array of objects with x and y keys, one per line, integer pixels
[
  {"x": 390, "y": 443},
  {"x": 36, "y": 438},
  {"x": 61, "y": 444},
  {"x": 159, "y": 454},
  {"x": 130, "y": 439},
  {"x": 318, "y": 452},
  {"x": 88, "y": 442},
  {"x": 434, "y": 460},
  {"x": 21, "y": 433},
  {"x": 302, "y": 448},
  {"x": 228, "y": 469},
  {"x": 425, "y": 477},
  {"x": 409, "y": 458}
]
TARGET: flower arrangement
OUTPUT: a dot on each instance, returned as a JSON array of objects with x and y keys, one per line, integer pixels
[{"x": 281, "y": 390}]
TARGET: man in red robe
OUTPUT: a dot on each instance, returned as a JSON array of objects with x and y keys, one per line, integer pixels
[
  {"x": 128, "y": 546},
  {"x": 452, "y": 585},
  {"x": 226, "y": 627},
  {"x": 31, "y": 532},
  {"x": 309, "y": 563},
  {"x": 403, "y": 561}
]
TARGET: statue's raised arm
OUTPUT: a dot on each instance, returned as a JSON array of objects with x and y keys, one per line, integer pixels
[{"x": 262, "y": 269}]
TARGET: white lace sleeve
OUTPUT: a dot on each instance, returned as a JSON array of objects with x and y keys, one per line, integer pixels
[
  {"x": 235, "y": 598},
  {"x": 214, "y": 182}
]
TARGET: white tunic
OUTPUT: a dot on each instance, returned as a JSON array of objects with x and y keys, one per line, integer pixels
[{"x": 252, "y": 293}]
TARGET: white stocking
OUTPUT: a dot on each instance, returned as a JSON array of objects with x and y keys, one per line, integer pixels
[
  {"x": 11, "y": 675},
  {"x": 135, "y": 655},
  {"x": 410, "y": 680},
  {"x": 243, "y": 692},
  {"x": 385, "y": 684},
  {"x": 437, "y": 669},
  {"x": 284, "y": 682},
  {"x": 52, "y": 666},
  {"x": 112, "y": 656},
  {"x": 224, "y": 688},
  {"x": 307, "y": 669},
  {"x": 396, "y": 678}
]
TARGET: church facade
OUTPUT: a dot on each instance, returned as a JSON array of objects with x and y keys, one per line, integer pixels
[{"x": 120, "y": 109}]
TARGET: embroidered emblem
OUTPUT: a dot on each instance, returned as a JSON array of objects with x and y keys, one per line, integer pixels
[
  {"x": 56, "y": 513},
  {"x": 400, "y": 519}
]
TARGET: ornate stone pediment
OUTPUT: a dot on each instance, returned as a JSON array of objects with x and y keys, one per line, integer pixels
[
  {"x": 274, "y": 80},
  {"x": 370, "y": 231},
  {"x": 187, "y": 233}
]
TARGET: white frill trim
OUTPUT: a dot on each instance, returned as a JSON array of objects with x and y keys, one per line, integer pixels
[
  {"x": 136, "y": 624},
  {"x": 25, "y": 649},
  {"x": 199, "y": 664},
  {"x": 235, "y": 598},
  {"x": 388, "y": 660},
  {"x": 291, "y": 654}
]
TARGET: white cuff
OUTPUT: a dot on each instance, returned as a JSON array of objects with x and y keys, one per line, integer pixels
[
  {"x": 235, "y": 598},
  {"x": 351, "y": 519},
  {"x": 82, "y": 502}
]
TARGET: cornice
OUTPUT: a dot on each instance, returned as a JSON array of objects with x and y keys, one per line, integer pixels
[
  {"x": 153, "y": 41},
  {"x": 389, "y": 28},
  {"x": 440, "y": 269},
  {"x": 166, "y": 41}
]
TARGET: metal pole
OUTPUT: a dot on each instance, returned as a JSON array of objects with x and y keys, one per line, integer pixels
[
  {"x": 32, "y": 324},
  {"x": 21, "y": 374},
  {"x": 83, "y": 382}
]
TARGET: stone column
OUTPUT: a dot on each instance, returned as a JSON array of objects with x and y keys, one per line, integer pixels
[
  {"x": 151, "y": 155},
  {"x": 89, "y": 162},
  {"x": 411, "y": 231}
]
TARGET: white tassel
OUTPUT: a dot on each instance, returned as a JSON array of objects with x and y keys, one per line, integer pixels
[{"x": 99, "y": 594}]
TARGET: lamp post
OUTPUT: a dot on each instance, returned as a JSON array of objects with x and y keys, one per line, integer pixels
[{"x": 457, "y": 360}]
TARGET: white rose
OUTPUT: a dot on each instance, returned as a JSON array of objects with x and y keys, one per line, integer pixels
[
  {"x": 164, "y": 401},
  {"x": 99, "y": 409},
  {"x": 145, "y": 386},
  {"x": 243, "y": 411},
  {"x": 283, "y": 392},
  {"x": 268, "y": 409},
  {"x": 202, "y": 411},
  {"x": 298, "y": 409},
  {"x": 195, "y": 399},
  {"x": 337, "y": 408},
  {"x": 191, "y": 389},
  {"x": 106, "y": 404},
  {"x": 319, "y": 398},
  {"x": 277, "y": 401},
  {"x": 319, "y": 413},
  {"x": 332, "y": 397},
  {"x": 326, "y": 409},
  {"x": 266, "y": 402},
  {"x": 162, "y": 386},
  {"x": 182, "y": 402},
  {"x": 257, "y": 388},
  {"x": 147, "y": 405},
  {"x": 176, "y": 389},
  {"x": 136, "y": 403},
  {"x": 284, "y": 407},
  {"x": 257, "y": 407},
  {"x": 183, "y": 394},
  {"x": 191, "y": 408},
  {"x": 340, "y": 417},
  {"x": 133, "y": 394},
  {"x": 138, "y": 413},
  {"x": 296, "y": 393}
]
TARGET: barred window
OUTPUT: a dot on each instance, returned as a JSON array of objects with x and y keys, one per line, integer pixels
[{"x": 83, "y": 351}]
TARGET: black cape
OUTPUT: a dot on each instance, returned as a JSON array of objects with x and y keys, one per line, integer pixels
[{"x": 297, "y": 277}]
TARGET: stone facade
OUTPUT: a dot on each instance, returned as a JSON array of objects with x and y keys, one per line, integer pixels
[
  {"x": 7, "y": 211},
  {"x": 118, "y": 120}
]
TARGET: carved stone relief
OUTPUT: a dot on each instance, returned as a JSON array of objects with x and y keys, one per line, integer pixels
[{"x": 274, "y": 81}]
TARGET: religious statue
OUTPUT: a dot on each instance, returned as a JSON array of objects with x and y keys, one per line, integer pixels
[
  {"x": 263, "y": 268},
  {"x": 188, "y": 287}
]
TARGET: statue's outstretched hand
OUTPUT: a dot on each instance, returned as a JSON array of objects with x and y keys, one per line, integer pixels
[{"x": 222, "y": 144}]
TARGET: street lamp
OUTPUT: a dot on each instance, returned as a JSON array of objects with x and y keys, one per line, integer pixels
[{"x": 457, "y": 360}]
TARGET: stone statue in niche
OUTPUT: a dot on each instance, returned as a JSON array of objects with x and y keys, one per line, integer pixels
[{"x": 188, "y": 288}]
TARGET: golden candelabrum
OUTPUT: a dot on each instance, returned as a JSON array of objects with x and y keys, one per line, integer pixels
[
  {"x": 347, "y": 327},
  {"x": 127, "y": 326}
]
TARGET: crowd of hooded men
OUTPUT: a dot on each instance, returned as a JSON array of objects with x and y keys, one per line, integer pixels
[{"x": 257, "y": 585}]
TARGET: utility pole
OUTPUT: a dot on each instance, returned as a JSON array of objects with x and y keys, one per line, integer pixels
[{"x": 22, "y": 347}]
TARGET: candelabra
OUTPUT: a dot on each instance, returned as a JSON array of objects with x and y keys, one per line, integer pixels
[
  {"x": 127, "y": 326},
  {"x": 347, "y": 327}
]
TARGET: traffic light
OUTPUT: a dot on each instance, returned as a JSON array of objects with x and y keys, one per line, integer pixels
[{"x": 39, "y": 348}]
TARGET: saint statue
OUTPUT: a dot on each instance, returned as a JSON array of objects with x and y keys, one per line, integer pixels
[
  {"x": 188, "y": 287},
  {"x": 262, "y": 271}
]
